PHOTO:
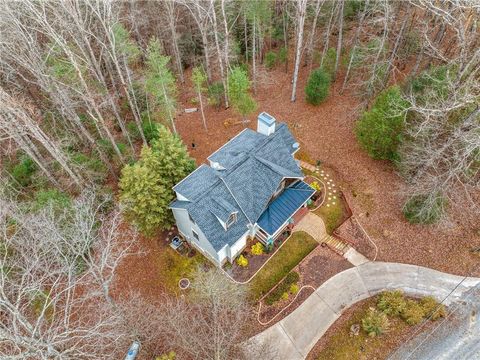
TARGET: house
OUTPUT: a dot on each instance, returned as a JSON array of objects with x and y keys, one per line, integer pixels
[{"x": 251, "y": 187}]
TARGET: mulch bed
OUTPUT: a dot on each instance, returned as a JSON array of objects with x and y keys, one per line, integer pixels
[
  {"x": 390, "y": 341},
  {"x": 241, "y": 273},
  {"x": 350, "y": 232},
  {"x": 326, "y": 133},
  {"x": 255, "y": 262},
  {"x": 320, "y": 265}
]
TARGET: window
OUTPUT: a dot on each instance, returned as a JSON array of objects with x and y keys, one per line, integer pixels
[
  {"x": 191, "y": 219},
  {"x": 231, "y": 220},
  {"x": 195, "y": 235}
]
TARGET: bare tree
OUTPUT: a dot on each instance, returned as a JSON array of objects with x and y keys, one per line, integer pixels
[
  {"x": 57, "y": 271},
  {"x": 301, "y": 8},
  {"x": 340, "y": 37},
  {"x": 201, "y": 12},
  {"x": 355, "y": 44},
  {"x": 18, "y": 122},
  {"x": 171, "y": 13},
  {"x": 212, "y": 325},
  {"x": 311, "y": 36},
  {"x": 440, "y": 154}
]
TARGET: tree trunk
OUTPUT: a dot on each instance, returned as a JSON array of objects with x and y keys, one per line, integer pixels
[
  {"x": 355, "y": 43},
  {"x": 285, "y": 36},
  {"x": 339, "y": 40},
  {"x": 396, "y": 46},
  {"x": 170, "y": 5},
  {"x": 327, "y": 35},
  {"x": 309, "y": 57},
  {"x": 254, "y": 56},
  {"x": 226, "y": 50},
  {"x": 301, "y": 10},
  {"x": 200, "y": 100},
  {"x": 219, "y": 53}
]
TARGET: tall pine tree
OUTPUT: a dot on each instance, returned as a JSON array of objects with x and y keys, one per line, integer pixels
[
  {"x": 238, "y": 92},
  {"x": 146, "y": 186},
  {"x": 160, "y": 83}
]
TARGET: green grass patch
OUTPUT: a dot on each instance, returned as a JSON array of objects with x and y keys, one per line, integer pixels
[
  {"x": 175, "y": 267},
  {"x": 299, "y": 245},
  {"x": 333, "y": 215}
]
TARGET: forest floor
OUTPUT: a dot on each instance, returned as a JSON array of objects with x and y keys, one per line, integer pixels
[{"x": 373, "y": 188}]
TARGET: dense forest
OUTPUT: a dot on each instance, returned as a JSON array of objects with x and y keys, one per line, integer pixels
[{"x": 89, "y": 99}]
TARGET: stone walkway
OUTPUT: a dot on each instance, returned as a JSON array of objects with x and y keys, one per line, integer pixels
[
  {"x": 295, "y": 335},
  {"x": 314, "y": 225}
]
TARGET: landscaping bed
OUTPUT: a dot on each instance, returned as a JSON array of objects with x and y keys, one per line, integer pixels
[
  {"x": 348, "y": 338},
  {"x": 316, "y": 268},
  {"x": 254, "y": 262},
  {"x": 351, "y": 232},
  {"x": 297, "y": 247}
]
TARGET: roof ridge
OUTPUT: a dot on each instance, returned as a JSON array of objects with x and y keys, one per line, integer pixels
[
  {"x": 234, "y": 198},
  {"x": 272, "y": 165}
]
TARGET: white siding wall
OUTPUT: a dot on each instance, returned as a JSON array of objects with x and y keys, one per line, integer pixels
[
  {"x": 223, "y": 253},
  {"x": 236, "y": 248},
  {"x": 185, "y": 226}
]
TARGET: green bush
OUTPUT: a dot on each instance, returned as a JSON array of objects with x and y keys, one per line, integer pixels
[
  {"x": 23, "y": 172},
  {"x": 329, "y": 61},
  {"x": 284, "y": 287},
  {"x": 317, "y": 87},
  {"x": 422, "y": 210},
  {"x": 215, "y": 94},
  {"x": 282, "y": 55},
  {"x": 294, "y": 289},
  {"x": 132, "y": 129},
  {"x": 379, "y": 131},
  {"x": 94, "y": 168},
  {"x": 270, "y": 59},
  {"x": 284, "y": 296},
  {"x": 432, "y": 308},
  {"x": 352, "y": 8},
  {"x": 392, "y": 303},
  {"x": 53, "y": 197},
  {"x": 413, "y": 313},
  {"x": 434, "y": 81},
  {"x": 375, "y": 322},
  {"x": 150, "y": 130}
]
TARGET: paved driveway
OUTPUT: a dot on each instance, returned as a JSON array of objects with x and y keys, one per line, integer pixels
[{"x": 296, "y": 334}]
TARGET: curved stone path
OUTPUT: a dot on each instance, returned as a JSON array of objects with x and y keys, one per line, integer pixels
[{"x": 294, "y": 336}]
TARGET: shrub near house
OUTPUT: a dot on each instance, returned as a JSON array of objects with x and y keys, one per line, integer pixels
[{"x": 146, "y": 186}]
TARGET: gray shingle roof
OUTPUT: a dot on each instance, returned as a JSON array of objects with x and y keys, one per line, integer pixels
[
  {"x": 222, "y": 209},
  {"x": 199, "y": 181},
  {"x": 234, "y": 150},
  {"x": 255, "y": 165}
]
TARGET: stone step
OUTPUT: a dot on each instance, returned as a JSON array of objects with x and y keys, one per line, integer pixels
[{"x": 335, "y": 244}]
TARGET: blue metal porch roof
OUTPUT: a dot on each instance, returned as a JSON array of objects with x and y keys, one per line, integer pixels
[{"x": 284, "y": 206}]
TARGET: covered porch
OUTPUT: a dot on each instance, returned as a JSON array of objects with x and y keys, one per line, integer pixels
[{"x": 284, "y": 212}]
